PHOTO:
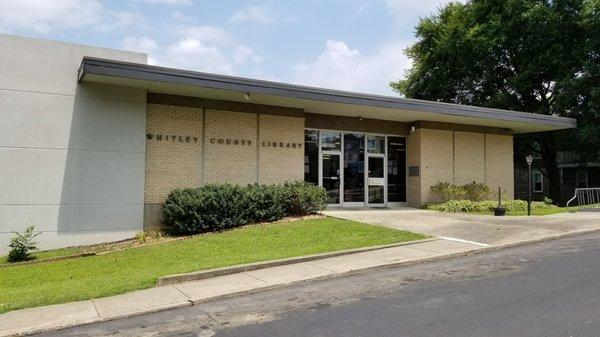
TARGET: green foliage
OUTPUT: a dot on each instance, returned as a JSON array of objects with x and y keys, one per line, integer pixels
[
  {"x": 446, "y": 191},
  {"x": 525, "y": 55},
  {"x": 475, "y": 191},
  {"x": 21, "y": 245},
  {"x": 217, "y": 207},
  {"x": 485, "y": 206},
  {"x": 304, "y": 198}
]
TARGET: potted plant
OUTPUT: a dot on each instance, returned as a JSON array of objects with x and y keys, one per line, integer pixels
[{"x": 499, "y": 210}]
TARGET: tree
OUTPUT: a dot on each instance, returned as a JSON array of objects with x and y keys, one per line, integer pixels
[{"x": 539, "y": 56}]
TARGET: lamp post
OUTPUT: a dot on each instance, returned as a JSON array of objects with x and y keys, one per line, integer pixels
[{"x": 529, "y": 160}]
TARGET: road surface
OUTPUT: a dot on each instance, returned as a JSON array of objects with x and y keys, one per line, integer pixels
[{"x": 545, "y": 289}]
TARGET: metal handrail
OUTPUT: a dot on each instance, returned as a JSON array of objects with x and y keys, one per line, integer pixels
[{"x": 586, "y": 196}]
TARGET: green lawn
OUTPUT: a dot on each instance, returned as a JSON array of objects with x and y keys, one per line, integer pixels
[{"x": 103, "y": 275}]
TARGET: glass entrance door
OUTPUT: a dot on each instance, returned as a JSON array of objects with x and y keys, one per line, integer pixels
[
  {"x": 331, "y": 177},
  {"x": 357, "y": 169}
]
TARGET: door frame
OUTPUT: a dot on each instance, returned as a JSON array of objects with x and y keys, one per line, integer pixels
[
  {"x": 366, "y": 187},
  {"x": 341, "y": 165}
]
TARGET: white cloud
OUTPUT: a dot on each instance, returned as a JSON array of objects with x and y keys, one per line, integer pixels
[
  {"x": 344, "y": 68},
  {"x": 177, "y": 15},
  {"x": 46, "y": 16},
  {"x": 117, "y": 20},
  {"x": 42, "y": 16},
  {"x": 202, "y": 48},
  {"x": 207, "y": 34},
  {"x": 251, "y": 13}
]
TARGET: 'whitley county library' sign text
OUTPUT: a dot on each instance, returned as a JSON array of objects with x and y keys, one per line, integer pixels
[{"x": 220, "y": 141}]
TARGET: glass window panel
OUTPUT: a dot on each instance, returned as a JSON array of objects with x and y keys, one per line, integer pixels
[
  {"x": 375, "y": 167},
  {"x": 376, "y": 144},
  {"x": 311, "y": 156},
  {"x": 376, "y": 194},
  {"x": 354, "y": 167},
  {"x": 538, "y": 185},
  {"x": 396, "y": 169},
  {"x": 331, "y": 141}
]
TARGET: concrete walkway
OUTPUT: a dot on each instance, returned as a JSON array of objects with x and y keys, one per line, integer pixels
[
  {"x": 483, "y": 229},
  {"x": 460, "y": 234}
]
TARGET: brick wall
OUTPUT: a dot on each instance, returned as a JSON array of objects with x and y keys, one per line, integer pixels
[
  {"x": 174, "y": 154},
  {"x": 458, "y": 157},
  {"x": 469, "y": 157},
  {"x": 236, "y": 147},
  {"x": 436, "y": 160},
  {"x": 281, "y": 149},
  {"x": 499, "y": 169},
  {"x": 226, "y": 160}
]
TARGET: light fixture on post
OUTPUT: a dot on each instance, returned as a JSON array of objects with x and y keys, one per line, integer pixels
[{"x": 529, "y": 160}]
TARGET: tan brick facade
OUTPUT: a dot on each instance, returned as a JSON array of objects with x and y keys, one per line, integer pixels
[
  {"x": 231, "y": 147},
  {"x": 436, "y": 159},
  {"x": 458, "y": 157},
  {"x": 499, "y": 170},
  {"x": 192, "y": 146},
  {"x": 236, "y": 147},
  {"x": 173, "y": 150},
  {"x": 281, "y": 149},
  {"x": 469, "y": 157}
]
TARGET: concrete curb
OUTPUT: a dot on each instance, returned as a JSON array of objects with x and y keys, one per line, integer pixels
[
  {"x": 199, "y": 275},
  {"x": 331, "y": 276}
]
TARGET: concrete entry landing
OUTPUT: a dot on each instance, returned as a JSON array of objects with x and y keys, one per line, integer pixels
[{"x": 485, "y": 230}]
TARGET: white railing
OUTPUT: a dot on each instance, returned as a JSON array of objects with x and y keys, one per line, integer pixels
[{"x": 586, "y": 197}]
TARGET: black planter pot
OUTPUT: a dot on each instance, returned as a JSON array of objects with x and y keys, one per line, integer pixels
[{"x": 500, "y": 211}]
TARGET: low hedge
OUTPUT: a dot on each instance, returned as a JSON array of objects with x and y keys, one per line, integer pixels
[
  {"x": 216, "y": 207},
  {"x": 458, "y": 206}
]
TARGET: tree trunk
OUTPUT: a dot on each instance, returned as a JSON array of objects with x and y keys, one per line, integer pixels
[{"x": 548, "y": 147}]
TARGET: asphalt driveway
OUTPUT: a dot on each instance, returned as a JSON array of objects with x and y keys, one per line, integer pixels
[{"x": 485, "y": 230}]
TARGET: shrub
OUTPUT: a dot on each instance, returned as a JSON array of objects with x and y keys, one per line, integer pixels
[
  {"x": 267, "y": 202},
  {"x": 476, "y": 191},
  {"x": 217, "y": 207},
  {"x": 446, "y": 191},
  {"x": 304, "y": 198},
  {"x": 21, "y": 245},
  {"x": 458, "y": 206}
]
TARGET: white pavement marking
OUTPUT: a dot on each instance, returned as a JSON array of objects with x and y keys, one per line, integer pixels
[{"x": 464, "y": 241}]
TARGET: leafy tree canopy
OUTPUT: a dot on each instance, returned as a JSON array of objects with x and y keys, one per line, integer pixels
[{"x": 540, "y": 56}]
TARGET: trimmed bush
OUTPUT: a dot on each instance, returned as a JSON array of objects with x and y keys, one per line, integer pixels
[
  {"x": 458, "y": 206},
  {"x": 446, "y": 191},
  {"x": 476, "y": 191},
  {"x": 304, "y": 198},
  {"x": 218, "y": 207}
]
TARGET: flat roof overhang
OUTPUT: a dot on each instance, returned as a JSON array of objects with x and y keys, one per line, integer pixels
[{"x": 314, "y": 100}]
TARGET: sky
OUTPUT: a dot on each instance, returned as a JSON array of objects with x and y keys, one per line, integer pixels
[{"x": 355, "y": 45}]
